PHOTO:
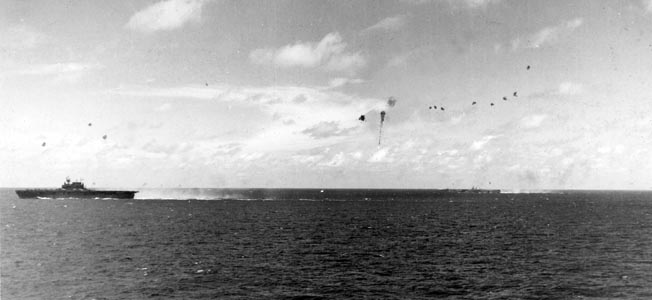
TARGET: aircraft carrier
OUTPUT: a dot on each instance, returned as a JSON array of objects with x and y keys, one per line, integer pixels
[{"x": 74, "y": 189}]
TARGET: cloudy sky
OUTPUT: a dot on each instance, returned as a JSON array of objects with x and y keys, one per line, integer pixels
[{"x": 212, "y": 93}]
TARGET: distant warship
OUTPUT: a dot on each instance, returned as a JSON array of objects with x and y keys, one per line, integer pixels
[{"x": 74, "y": 189}]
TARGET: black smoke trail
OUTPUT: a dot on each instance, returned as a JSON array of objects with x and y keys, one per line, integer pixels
[{"x": 380, "y": 130}]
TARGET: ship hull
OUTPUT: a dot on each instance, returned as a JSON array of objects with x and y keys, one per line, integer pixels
[{"x": 79, "y": 194}]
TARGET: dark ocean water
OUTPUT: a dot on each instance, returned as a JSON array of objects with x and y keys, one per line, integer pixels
[{"x": 505, "y": 246}]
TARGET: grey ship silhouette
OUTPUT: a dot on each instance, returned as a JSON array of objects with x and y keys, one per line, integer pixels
[{"x": 74, "y": 189}]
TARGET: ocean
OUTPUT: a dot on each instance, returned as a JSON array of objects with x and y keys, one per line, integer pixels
[{"x": 335, "y": 244}]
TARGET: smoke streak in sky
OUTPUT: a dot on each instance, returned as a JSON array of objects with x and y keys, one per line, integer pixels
[{"x": 380, "y": 130}]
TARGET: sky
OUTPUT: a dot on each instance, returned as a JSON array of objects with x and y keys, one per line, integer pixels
[{"x": 217, "y": 93}]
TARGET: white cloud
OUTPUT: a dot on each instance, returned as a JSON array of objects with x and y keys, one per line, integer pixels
[
  {"x": 473, "y": 4},
  {"x": 648, "y": 5},
  {"x": 328, "y": 54},
  {"x": 399, "y": 60},
  {"x": 388, "y": 24},
  {"x": 604, "y": 150},
  {"x": 164, "y": 107},
  {"x": 306, "y": 159},
  {"x": 59, "y": 72},
  {"x": 299, "y": 116},
  {"x": 58, "y": 68},
  {"x": 481, "y": 143},
  {"x": 619, "y": 149},
  {"x": 547, "y": 35},
  {"x": 480, "y": 3},
  {"x": 412, "y": 56},
  {"x": 166, "y": 15},
  {"x": 192, "y": 92},
  {"x": 250, "y": 156},
  {"x": 482, "y": 160},
  {"x": 341, "y": 81},
  {"x": 324, "y": 129},
  {"x": 380, "y": 156},
  {"x": 570, "y": 89},
  {"x": 533, "y": 121},
  {"x": 337, "y": 160},
  {"x": 20, "y": 37},
  {"x": 346, "y": 62},
  {"x": 456, "y": 119},
  {"x": 498, "y": 48}
]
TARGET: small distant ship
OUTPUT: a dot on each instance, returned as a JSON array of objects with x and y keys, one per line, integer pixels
[
  {"x": 476, "y": 190},
  {"x": 74, "y": 189},
  {"x": 473, "y": 190}
]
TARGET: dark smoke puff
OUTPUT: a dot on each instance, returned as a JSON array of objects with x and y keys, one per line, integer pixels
[{"x": 391, "y": 101}]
